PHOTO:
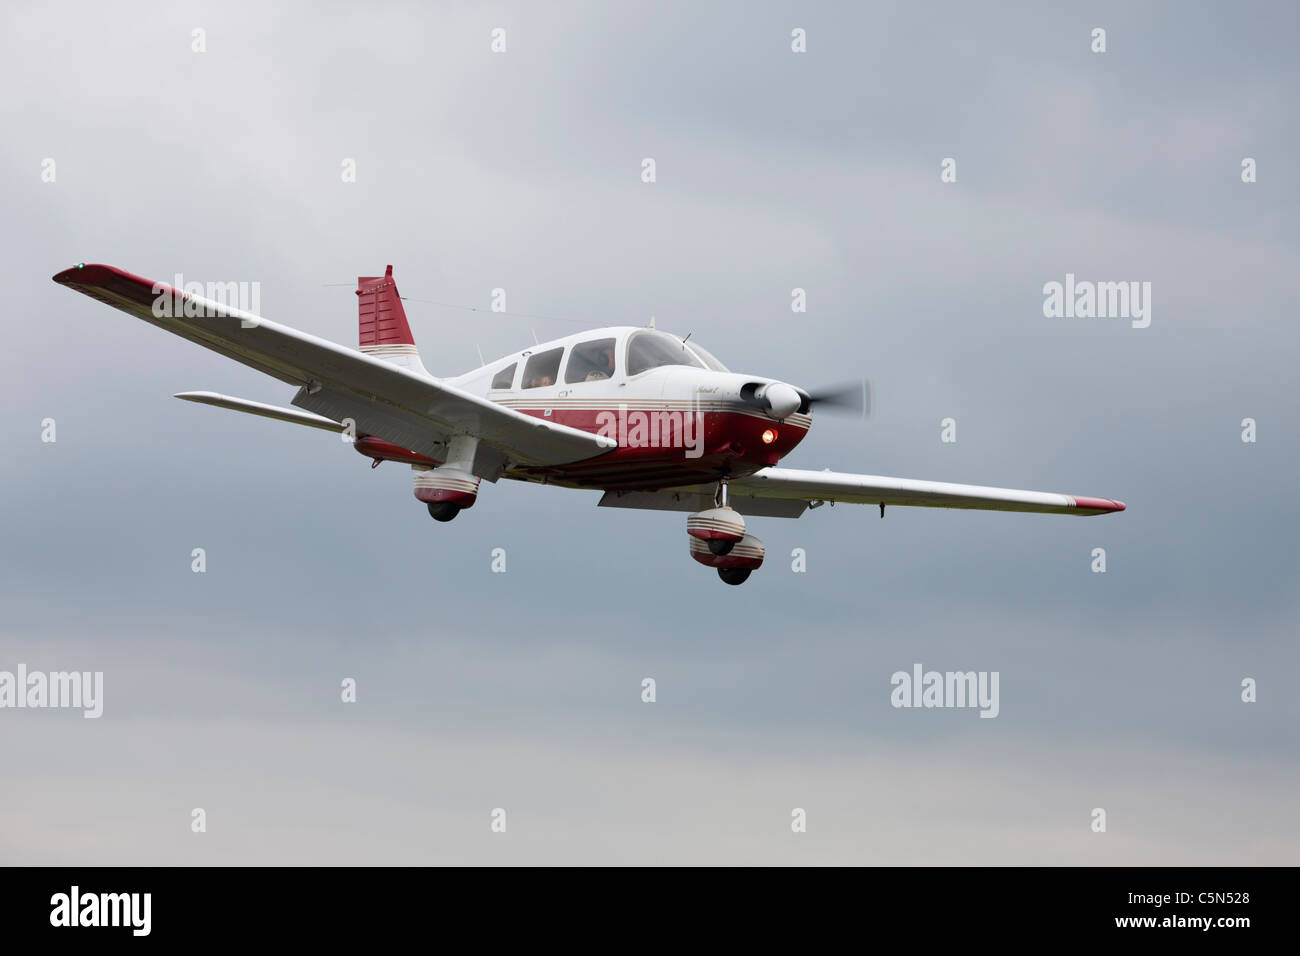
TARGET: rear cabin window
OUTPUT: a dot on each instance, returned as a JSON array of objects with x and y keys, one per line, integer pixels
[
  {"x": 506, "y": 377},
  {"x": 649, "y": 350},
  {"x": 543, "y": 368},
  {"x": 590, "y": 362}
]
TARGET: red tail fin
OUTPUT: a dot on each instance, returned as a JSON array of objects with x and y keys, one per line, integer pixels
[
  {"x": 380, "y": 315},
  {"x": 381, "y": 321}
]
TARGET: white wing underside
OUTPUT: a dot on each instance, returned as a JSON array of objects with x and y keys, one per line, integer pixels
[
  {"x": 414, "y": 411},
  {"x": 787, "y": 492}
]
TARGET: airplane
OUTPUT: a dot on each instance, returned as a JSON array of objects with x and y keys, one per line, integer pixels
[{"x": 651, "y": 420}]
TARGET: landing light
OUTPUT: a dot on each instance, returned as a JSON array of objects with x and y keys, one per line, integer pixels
[{"x": 769, "y": 436}]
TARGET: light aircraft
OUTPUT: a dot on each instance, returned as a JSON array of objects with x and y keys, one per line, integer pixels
[{"x": 652, "y": 420}]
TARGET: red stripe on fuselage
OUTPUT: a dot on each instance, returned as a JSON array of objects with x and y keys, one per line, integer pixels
[
  {"x": 663, "y": 448},
  {"x": 713, "y": 445}
]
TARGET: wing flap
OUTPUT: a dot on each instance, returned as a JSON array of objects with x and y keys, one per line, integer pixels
[
  {"x": 700, "y": 498},
  {"x": 375, "y": 417}
]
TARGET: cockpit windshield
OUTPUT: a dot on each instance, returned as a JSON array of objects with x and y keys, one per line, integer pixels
[
  {"x": 706, "y": 356},
  {"x": 647, "y": 350}
]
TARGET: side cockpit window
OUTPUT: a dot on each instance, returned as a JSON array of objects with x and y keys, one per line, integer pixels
[
  {"x": 543, "y": 368},
  {"x": 590, "y": 362},
  {"x": 506, "y": 377}
]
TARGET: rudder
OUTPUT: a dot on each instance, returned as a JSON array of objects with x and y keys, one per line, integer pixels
[{"x": 381, "y": 322}]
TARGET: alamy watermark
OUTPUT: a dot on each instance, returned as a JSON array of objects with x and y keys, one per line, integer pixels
[
  {"x": 654, "y": 429},
  {"x": 82, "y": 690},
  {"x": 129, "y": 910},
  {"x": 1101, "y": 300},
  {"x": 922, "y": 688},
  {"x": 193, "y": 300}
]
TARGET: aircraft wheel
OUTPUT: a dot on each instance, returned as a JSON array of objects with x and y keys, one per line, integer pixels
[
  {"x": 734, "y": 575},
  {"x": 720, "y": 546},
  {"x": 443, "y": 510}
]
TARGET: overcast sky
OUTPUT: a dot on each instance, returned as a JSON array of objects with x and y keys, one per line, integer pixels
[{"x": 775, "y": 170}]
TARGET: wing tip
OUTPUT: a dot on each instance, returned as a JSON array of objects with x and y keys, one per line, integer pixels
[
  {"x": 98, "y": 275},
  {"x": 1099, "y": 505},
  {"x": 200, "y": 396},
  {"x": 69, "y": 275}
]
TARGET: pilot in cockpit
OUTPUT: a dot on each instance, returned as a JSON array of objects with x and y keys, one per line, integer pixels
[{"x": 604, "y": 357}]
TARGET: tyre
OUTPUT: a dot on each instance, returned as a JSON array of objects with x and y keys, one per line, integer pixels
[{"x": 443, "y": 510}]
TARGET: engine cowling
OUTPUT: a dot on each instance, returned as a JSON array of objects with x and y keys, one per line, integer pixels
[
  {"x": 746, "y": 554},
  {"x": 446, "y": 485}
]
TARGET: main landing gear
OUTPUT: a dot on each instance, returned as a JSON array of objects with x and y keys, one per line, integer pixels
[
  {"x": 451, "y": 487},
  {"x": 718, "y": 540}
]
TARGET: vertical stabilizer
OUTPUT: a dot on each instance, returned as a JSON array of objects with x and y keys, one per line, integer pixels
[{"x": 381, "y": 322}]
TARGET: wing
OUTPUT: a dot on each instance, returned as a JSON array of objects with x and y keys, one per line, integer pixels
[
  {"x": 385, "y": 400},
  {"x": 815, "y": 486}
]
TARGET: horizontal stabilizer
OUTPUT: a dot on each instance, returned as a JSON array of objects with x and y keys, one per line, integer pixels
[{"x": 294, "y": 415}]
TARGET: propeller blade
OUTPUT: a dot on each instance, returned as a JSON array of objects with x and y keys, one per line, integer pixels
[{"x": 846, "y": 396}]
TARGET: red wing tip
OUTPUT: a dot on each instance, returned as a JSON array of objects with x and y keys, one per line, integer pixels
[
  {"x": 86, "y": 273},
  {"x": 1098, "y": 504},
  {"x": 69, "y": 275}
]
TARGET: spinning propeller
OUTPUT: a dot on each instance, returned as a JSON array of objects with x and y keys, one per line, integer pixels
[{"x": 852, "y": 396}]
